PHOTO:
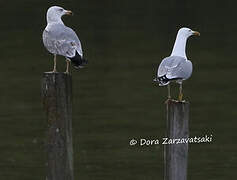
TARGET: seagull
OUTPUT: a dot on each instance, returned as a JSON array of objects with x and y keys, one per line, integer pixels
[
  {"x": 176, "y": 67},
  {"x": 62, "y": 40}
]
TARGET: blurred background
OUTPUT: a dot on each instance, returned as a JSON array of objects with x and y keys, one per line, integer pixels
[{"x": 115, "y": 99}]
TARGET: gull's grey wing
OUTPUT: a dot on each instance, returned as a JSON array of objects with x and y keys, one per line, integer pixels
[
  {"x": 62, "y": 40},
  {"x": 175, "y": 67}
]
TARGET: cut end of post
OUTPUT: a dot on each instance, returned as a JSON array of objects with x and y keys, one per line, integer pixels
[
  {"x": 173, "y": 101},
  {"x": 56, "y": 73}
]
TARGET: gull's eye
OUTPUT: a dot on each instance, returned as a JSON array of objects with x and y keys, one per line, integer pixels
[{"x": 61, "y": 9}]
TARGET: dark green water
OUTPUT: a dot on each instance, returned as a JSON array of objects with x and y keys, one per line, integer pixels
[{"x": 115, "y": 99}]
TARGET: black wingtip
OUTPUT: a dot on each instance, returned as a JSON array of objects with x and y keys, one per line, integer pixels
[
  {"x": 78, "y": 62},
  {"x": 81, "y": 64},
  {"x": 162, "y": 81}
]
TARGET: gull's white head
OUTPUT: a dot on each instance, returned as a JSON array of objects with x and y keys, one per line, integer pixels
[
  {"x": 186, "y": 32},
  {"x": 55, "y": 13}
]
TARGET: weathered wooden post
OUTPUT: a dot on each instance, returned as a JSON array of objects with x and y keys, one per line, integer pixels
[
  {"x": 57, "y": 100},
  {"x": 176, "y": 155}
]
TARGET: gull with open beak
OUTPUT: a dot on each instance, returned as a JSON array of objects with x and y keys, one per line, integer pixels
[
  {"x": 62, "y": 40},
  {"x": 176, "y": 67}
]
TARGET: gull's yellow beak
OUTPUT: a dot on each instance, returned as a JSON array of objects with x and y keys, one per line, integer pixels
[
  {"x": 196, "y": 33},
  {"x": 68, "y": 12}
]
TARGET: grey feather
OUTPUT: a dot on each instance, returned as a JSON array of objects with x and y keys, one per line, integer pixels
[
  {"x": 62, "y": 40},
  {"x": 174, "y": 68}
]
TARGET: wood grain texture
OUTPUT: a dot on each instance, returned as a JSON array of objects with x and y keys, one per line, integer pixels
[
  {"x": 176, "y": 155},
  {"x": 57, "y": 100}
]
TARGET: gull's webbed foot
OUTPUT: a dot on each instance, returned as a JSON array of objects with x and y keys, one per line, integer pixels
[{"x": 180, "y": 97}]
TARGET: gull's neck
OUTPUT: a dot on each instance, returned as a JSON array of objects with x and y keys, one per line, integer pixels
[
  {"x": 180, "y": 46},
  {"x": 56, "y": 20}
]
